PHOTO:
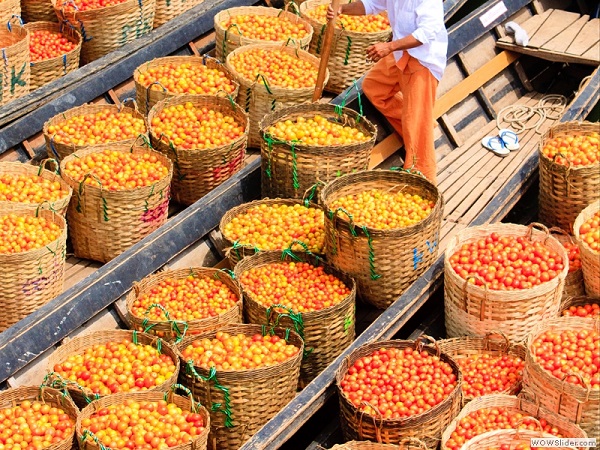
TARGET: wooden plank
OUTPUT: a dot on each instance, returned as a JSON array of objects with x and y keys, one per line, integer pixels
[
  {"x": 384, "y": 149},
  {"x": 593, "y": 53},
  {"x": 553, "y": 26},
  {"x": 531, "y": 26},
  {"x": 550, "y": 56},
  {"x": 562, "y": 42},
  {"x": 587, "y": 38}
]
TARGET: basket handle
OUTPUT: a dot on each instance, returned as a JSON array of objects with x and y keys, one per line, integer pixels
[
  {"x": 411, "y": 441},
  {"x": 44, "y": 162},
  {"x": 8, "y": 22},
  {"x": 309, "y": 194},
  {"x": 533, "y": 225},
  {"x": 562, "y": 232},
  {"x": 145, "y": 141},
  {"x": 531, "y": 397},
  {"x": 579, "y": 411},
  {"x": 379, "y": 417},
  {"x": 195, "y": 406},
  {"x": 125, "y": 101},
  {"x": 488, "y": 338},
  {"x": 179, "y": 335},
  {"x": 294, "y": 5},
  {"x": 569, "y": 164},
  {"x": 420, "y": 343},
  {"x": 485, "y": 295},
  {"x": 520, "y": 422}
]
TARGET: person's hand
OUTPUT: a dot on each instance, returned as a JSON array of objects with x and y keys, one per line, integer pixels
[
  {"x": 330, "y": 12},
  {"x": 379, "y": 50}
]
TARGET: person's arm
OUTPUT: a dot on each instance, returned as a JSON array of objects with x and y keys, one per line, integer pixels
[
  {"x": 382, "y": 49},
  {"x": 353, "y": 9},
  {"x": 359, "y": 8}
]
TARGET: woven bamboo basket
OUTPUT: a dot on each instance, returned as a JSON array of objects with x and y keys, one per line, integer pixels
[
  {"x": 347, "y": 58},
  {"x": 571, "y": 187},
  {"x": 578, "y": 403},
  {"x": 174, "y": 330},
  {"x": 405, "y": 444},
  {"x": 514, "y": 438},
  {"x": 108, "y": 28},
  {"x": 60, "y": 150},
  {"x": 185, "y": 403},
  {"x": 16, "y": 168},
  {"x": 236, "y": 251},
  {"x": 166, "y": 10},
  {"x": 31, "y": 279},
  {"x": 290, "y": 169},
  {"x": 198, "y": 171},
  {"x": 241, "y": 402},
  {"x": 326, "y": 332},
  {"x": 523, "y": 404},
  {"x": 383, "y": 262},
  {"x": 464, "y": 347},
  {"x": 15, "y": 71},
  {"x": 102, "y": 223},
  {"x": 473, "y": 310},
  {"x": 577, "y": 301},
  {"x": 9, "y": 8},
  {"x": 78, "y": 345},
  {"x": 38, "y": 11},
  {"x": 147, "y": 97},
  {"x": 574, "y": 286},
  {"x": 590, "y": 260},
  {"x": 43, "y": 72},
  {"x": 49, "y": 396},
  {"x": 228, "y": 39},
  {"x": 259, "y": 99},
  {"x": 427, "y": 426}
]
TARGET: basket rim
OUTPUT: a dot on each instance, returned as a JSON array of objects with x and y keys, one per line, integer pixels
[
  {"x": 243, "y": 10},
  {"x": 76, "y": 38},
  {"x": 588, "y": 212}
]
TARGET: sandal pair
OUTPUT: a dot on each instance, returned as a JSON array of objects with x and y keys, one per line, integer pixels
[{"x": 503, "y": 144}]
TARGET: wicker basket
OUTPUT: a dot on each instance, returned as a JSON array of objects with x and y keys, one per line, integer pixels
[
  {"x": 33, "y": 278},
  {"x": 185, "y": 403},
  {"x": 235, "y": 251},
  {"x": 198, "y": 171},
  {"x": 227, "y": 40},
  {"x": 383, "y": 262},
  {"x": 108, "y": 28},
  {"x": 8, "y": 9},
  {"x": 513, "y": 438},
  {"x": 577, "y": 301},
  {"x": 522, "y": 404},
  {"x": 473, "y": 310},
  {"x": 405, "y": 444},
  {"x": 347, "y": 58},
  {"x": 60, "y": 151},
  {"x": 53, "y": 397},
  {"x": 15, "y": 72},
  {"x": 166, "y": 10},
  {"x": 16, "y": 168},
  {"x": 427, "y": 426},
  {"x": 574, "y": 286},
  {"x": 590, "y": 260},
  {"x": 146, "y": 97},
  {"x": 82, "y": 395},
  {"x": 578, "y": 403},
  {"x": 326, "y": 332},
  {"x": 241, "y": 402},
  {"x": 103, "y": 224},
  {"x": 259, "y": 99},
  {"x": 464, "y": 347},
  {"x": 289, "y": 169},
  {"x": 571, "y": 187},
  {"x": 43, "y": 72},
  {"x": 38, "y": 11},
  {"x": 174, "y": 330}
]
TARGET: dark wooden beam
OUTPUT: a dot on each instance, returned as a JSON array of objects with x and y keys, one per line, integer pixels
[{"x": 30, "y": 337}]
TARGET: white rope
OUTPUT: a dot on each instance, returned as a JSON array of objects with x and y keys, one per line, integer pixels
[{"x": 519, "y": 117}]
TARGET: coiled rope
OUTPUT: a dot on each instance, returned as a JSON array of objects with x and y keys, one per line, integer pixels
[{"x": 519, "y": 117}]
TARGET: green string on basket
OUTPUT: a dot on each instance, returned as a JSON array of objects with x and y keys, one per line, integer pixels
[
  {"x": 174, "y": 324},
  {"x": 229, "y": 272},
  {"x": 311, "y": 194},
  {"x": 212, "y": 376},
  {"x": 61, "y": 384},
  {"x": 348, "y": 323},
  {"x": 374, "y": 274},
  {"x": 180, "y": 176},
  {"x": 339, "y": 108},
  {"x": 297, "y": 322},
  {"x": 146, "y": 203},
  {"x": 320, "y": 40},
  {"x": 224, "y": 47},
  {"x": 87, "y": 433},
  {"x": 348, "y": 49},
  {"x": 295, "y": 182}
]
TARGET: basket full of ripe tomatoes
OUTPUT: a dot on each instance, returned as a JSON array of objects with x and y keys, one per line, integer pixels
[
  {"x": 587, "y": 235},
  {"x": 502, "y": 277}
]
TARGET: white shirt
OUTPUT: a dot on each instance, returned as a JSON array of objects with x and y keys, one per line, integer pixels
[{"x": 424, "y": 19}]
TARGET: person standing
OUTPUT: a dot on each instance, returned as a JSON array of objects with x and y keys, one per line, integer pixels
[{"x": 407, "y": 70}]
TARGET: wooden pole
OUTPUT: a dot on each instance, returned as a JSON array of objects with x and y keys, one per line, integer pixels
[{"x": 327, "y": 40}]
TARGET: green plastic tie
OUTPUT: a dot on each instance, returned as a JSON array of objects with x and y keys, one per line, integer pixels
[
  {"x": 347, "y": 323},
  {"x": 248, "y": 95},
  {"x": 134, "y": 338},
  {"x": 233, "y": 25},
  {"x": 374, "y": 275},
  {"x": 296, "y": 319},
  {"x": 180, "y": 176},
  {"x": 159, "y": 345},
  {"x": 348, "y": 49},
  {"x": 146, "y": 204},
  {"x": 87, "y": 433},
  {"x": 179, "y": 335},
  {"x": 212, "y": 376},
  {"x": 295, "y": 181},
  {"x": 320, "y": 40},
  {"x": 312, "y": 193},
  {"x": 265, "y": 82}
]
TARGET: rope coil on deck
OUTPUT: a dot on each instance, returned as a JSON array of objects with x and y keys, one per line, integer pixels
[{"x": 519, "y": 117}]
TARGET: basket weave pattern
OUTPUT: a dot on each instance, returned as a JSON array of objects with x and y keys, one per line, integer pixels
[
  {"x": 14, "y": 70},
  {"x": 43, "y": 72},
  {"x": 383, "y": 262},
  {"x": 571, "y": 187},
  {"x": 38, "y": 11},
  {"x": 102, "y": 223},
  {"x": 228, "y": 40},
  {"x": 574, "y": 286},
  {"x": 513, "y": 438},
  {"x": 590, "y": 260},
  {"x": 9, "y": 8},
  {"x": 259, "y": 99},
  {"x": 347, "y": 58},
  {"x": 427, "y": 426},
  {"x": 475, "y": 310},
  {"x": 289, "y": 169},
  {"x": 405, "y": 444},
  {"x": 166, "y": 10},
  {"x": 33, "y": 278},
  {"x": 254, "y": 395},
  {"x": 579, "y": 404},
  {"x": 165, "y": 329},
  {"x": 198, "y": 171},
  {"x": 326, "y": 332}
]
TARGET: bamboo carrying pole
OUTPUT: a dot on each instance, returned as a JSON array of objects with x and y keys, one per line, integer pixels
[{"x": 335, "y": 5}]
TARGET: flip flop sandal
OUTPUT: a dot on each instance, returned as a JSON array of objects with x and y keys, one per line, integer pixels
[
  {"x": 495, "y": 145},
  {"x": 510, "y": 139}
]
